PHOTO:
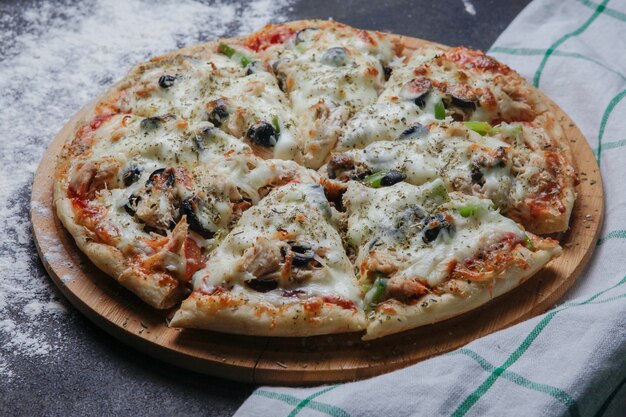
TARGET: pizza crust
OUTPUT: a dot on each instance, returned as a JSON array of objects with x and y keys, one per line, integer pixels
[
  {"x": 232, "y": 313},
  {"x": 445, "y": 306},
  {"x": 553, "y": 220},
  {"x": 155, "y": 291},
  {"x": 158, "y": 292}
]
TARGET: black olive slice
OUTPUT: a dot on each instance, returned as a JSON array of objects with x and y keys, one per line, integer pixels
[
  {"x": 219, "y": 114},
  {"x": 132, "y": 175},
  {"x": 335, "y": 57},
  {"x": 262, "y": 134},
  {"x": 463, "y": 103},
  {"x": 168, "y": 174},
  {"x": 152, "y": 123},
  {"x": 262, "y": 285},
  {"x": 302, "y": 253},
  {"x": 416, "y": 131},
  {"x": 254, "y": 67},
  {"x": 300, "y": 246},
  {"x": 416, "y": 90},
  {"x": 392, "y": 177},
  {"x": 131, "y": 206},
  {"x": 150, "y": 229},
  {"x": 188, "y": 208},
  {"x": 293, "y": 293},
  {"x": 387, "y": 71},
  {"x": 500, "y": 157},
  {"x": 281, "y": 77},
  {"x": 476, "y": 175},
  {"x": 301, "y": 35},
  {"x": 433, "y": 225},
  {"x": 301, "y": 259},
  {"x": 202, "y": 138},
  {"x": 407, "y": 221},
  {"x": 166, "y": 81}
]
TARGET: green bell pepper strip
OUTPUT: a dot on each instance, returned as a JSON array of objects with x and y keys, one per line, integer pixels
[
  {"x": 440, "y": 110},
  {"x": 482, "y": 128},
  {"x": 374, "y": 179},
  {"x": 235, "y": 55},
  {"x": 276, "y": 124},
  {"x": 301, "y": 47},
  {"x": 373, "y": 296},
  {"x": 529, "y": 243},
  {"x": 365, "y": 288},
  {"x": 470, "y": 210}
]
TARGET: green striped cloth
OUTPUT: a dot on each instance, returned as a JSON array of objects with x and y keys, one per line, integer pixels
[{"x": 571, "y": 360}]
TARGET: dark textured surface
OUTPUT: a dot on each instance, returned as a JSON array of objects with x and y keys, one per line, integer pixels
[
  {"x": 97, "y": 375},
  {"x": 445, "y": 22}
]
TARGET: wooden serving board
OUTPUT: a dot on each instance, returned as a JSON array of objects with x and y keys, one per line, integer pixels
[{"x": 312, "y": 360}]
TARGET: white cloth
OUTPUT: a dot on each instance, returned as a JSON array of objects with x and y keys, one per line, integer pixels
[{"x": 571, "y": 360}]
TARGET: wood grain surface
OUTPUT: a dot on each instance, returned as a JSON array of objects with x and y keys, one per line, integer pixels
[{"x": 312, "y": 360}]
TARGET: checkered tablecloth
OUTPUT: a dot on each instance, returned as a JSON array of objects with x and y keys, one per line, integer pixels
[{"x": 571, "y": 360}]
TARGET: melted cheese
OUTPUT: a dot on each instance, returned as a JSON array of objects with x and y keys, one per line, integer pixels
[
  {"x": 251, "y": 97},
  {"x": 456, "y": 154},
  {"x": 336, "y": 98},
  {"x": 218, "y": 167},
  {"x": 301, "y": 212},
  {"x": 324, "y": 93},
  {"x": 374, "y": 215},
  {"x": 392, "y": 113},
  {"x": 449, "y": 154}
]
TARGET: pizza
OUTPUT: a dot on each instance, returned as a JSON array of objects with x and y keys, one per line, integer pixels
[
  {"x": 462, "y": 244},
  {"x": 329, "y": 73},
  {"x": 314, "y": 178},
  {"x": 141, "y": 203},
  {"x": 518, "y": 166},
  {"x": 284, "y": 265}
]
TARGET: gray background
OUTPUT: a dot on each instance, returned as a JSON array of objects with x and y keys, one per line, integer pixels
[{"x": 97, "y": 375}]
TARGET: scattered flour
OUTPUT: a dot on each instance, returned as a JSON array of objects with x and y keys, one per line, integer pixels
[
  {"x": 66, "y": 278},
  {"x": 469, "y": 7},
  {"x": 54, "y": 58}
]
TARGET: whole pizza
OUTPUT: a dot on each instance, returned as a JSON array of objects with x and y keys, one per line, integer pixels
[{"x": 314, "y": 178}]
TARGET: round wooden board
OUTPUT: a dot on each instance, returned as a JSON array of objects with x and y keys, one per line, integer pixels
[{"x": 312, "y": 360}]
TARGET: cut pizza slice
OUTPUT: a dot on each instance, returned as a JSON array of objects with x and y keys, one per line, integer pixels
[
  {"x": 253, "y": 107},
  {"x": 282, "y": 271},
  {"x": 525, "y": 173},
  {"x": 215, "y": 83},
  {"x": 147, "y": 199},
  {"x": 329, "y": 72},
  {"x": 440, "y": 85},
  {"x": 424, "y": 255}
]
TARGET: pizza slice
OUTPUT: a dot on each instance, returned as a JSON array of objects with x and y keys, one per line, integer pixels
[
  {"x": 424, "y": 255},
  {"x": 282, "y": 271},
  {"x": 217, "y": 83},
  {"x": 439, "y": 85},
  {"x": 518, "y": 166},
  {"x": 329, "y": 72},
  {"x": 147, "y": 199}
]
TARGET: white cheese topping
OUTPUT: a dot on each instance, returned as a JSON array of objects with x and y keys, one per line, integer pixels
[
  {"x": 217, "y": 170},
  {"x": 329, "y": 76},
  {"x": 295, "y": 213},
  {"x": 389, "y": 220},
  {"x": 507, "y": 166},
  {"x": 396, "y": 110},
  {"x": 223, "y": 143},
  {"x": 197, "y": 82}
]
